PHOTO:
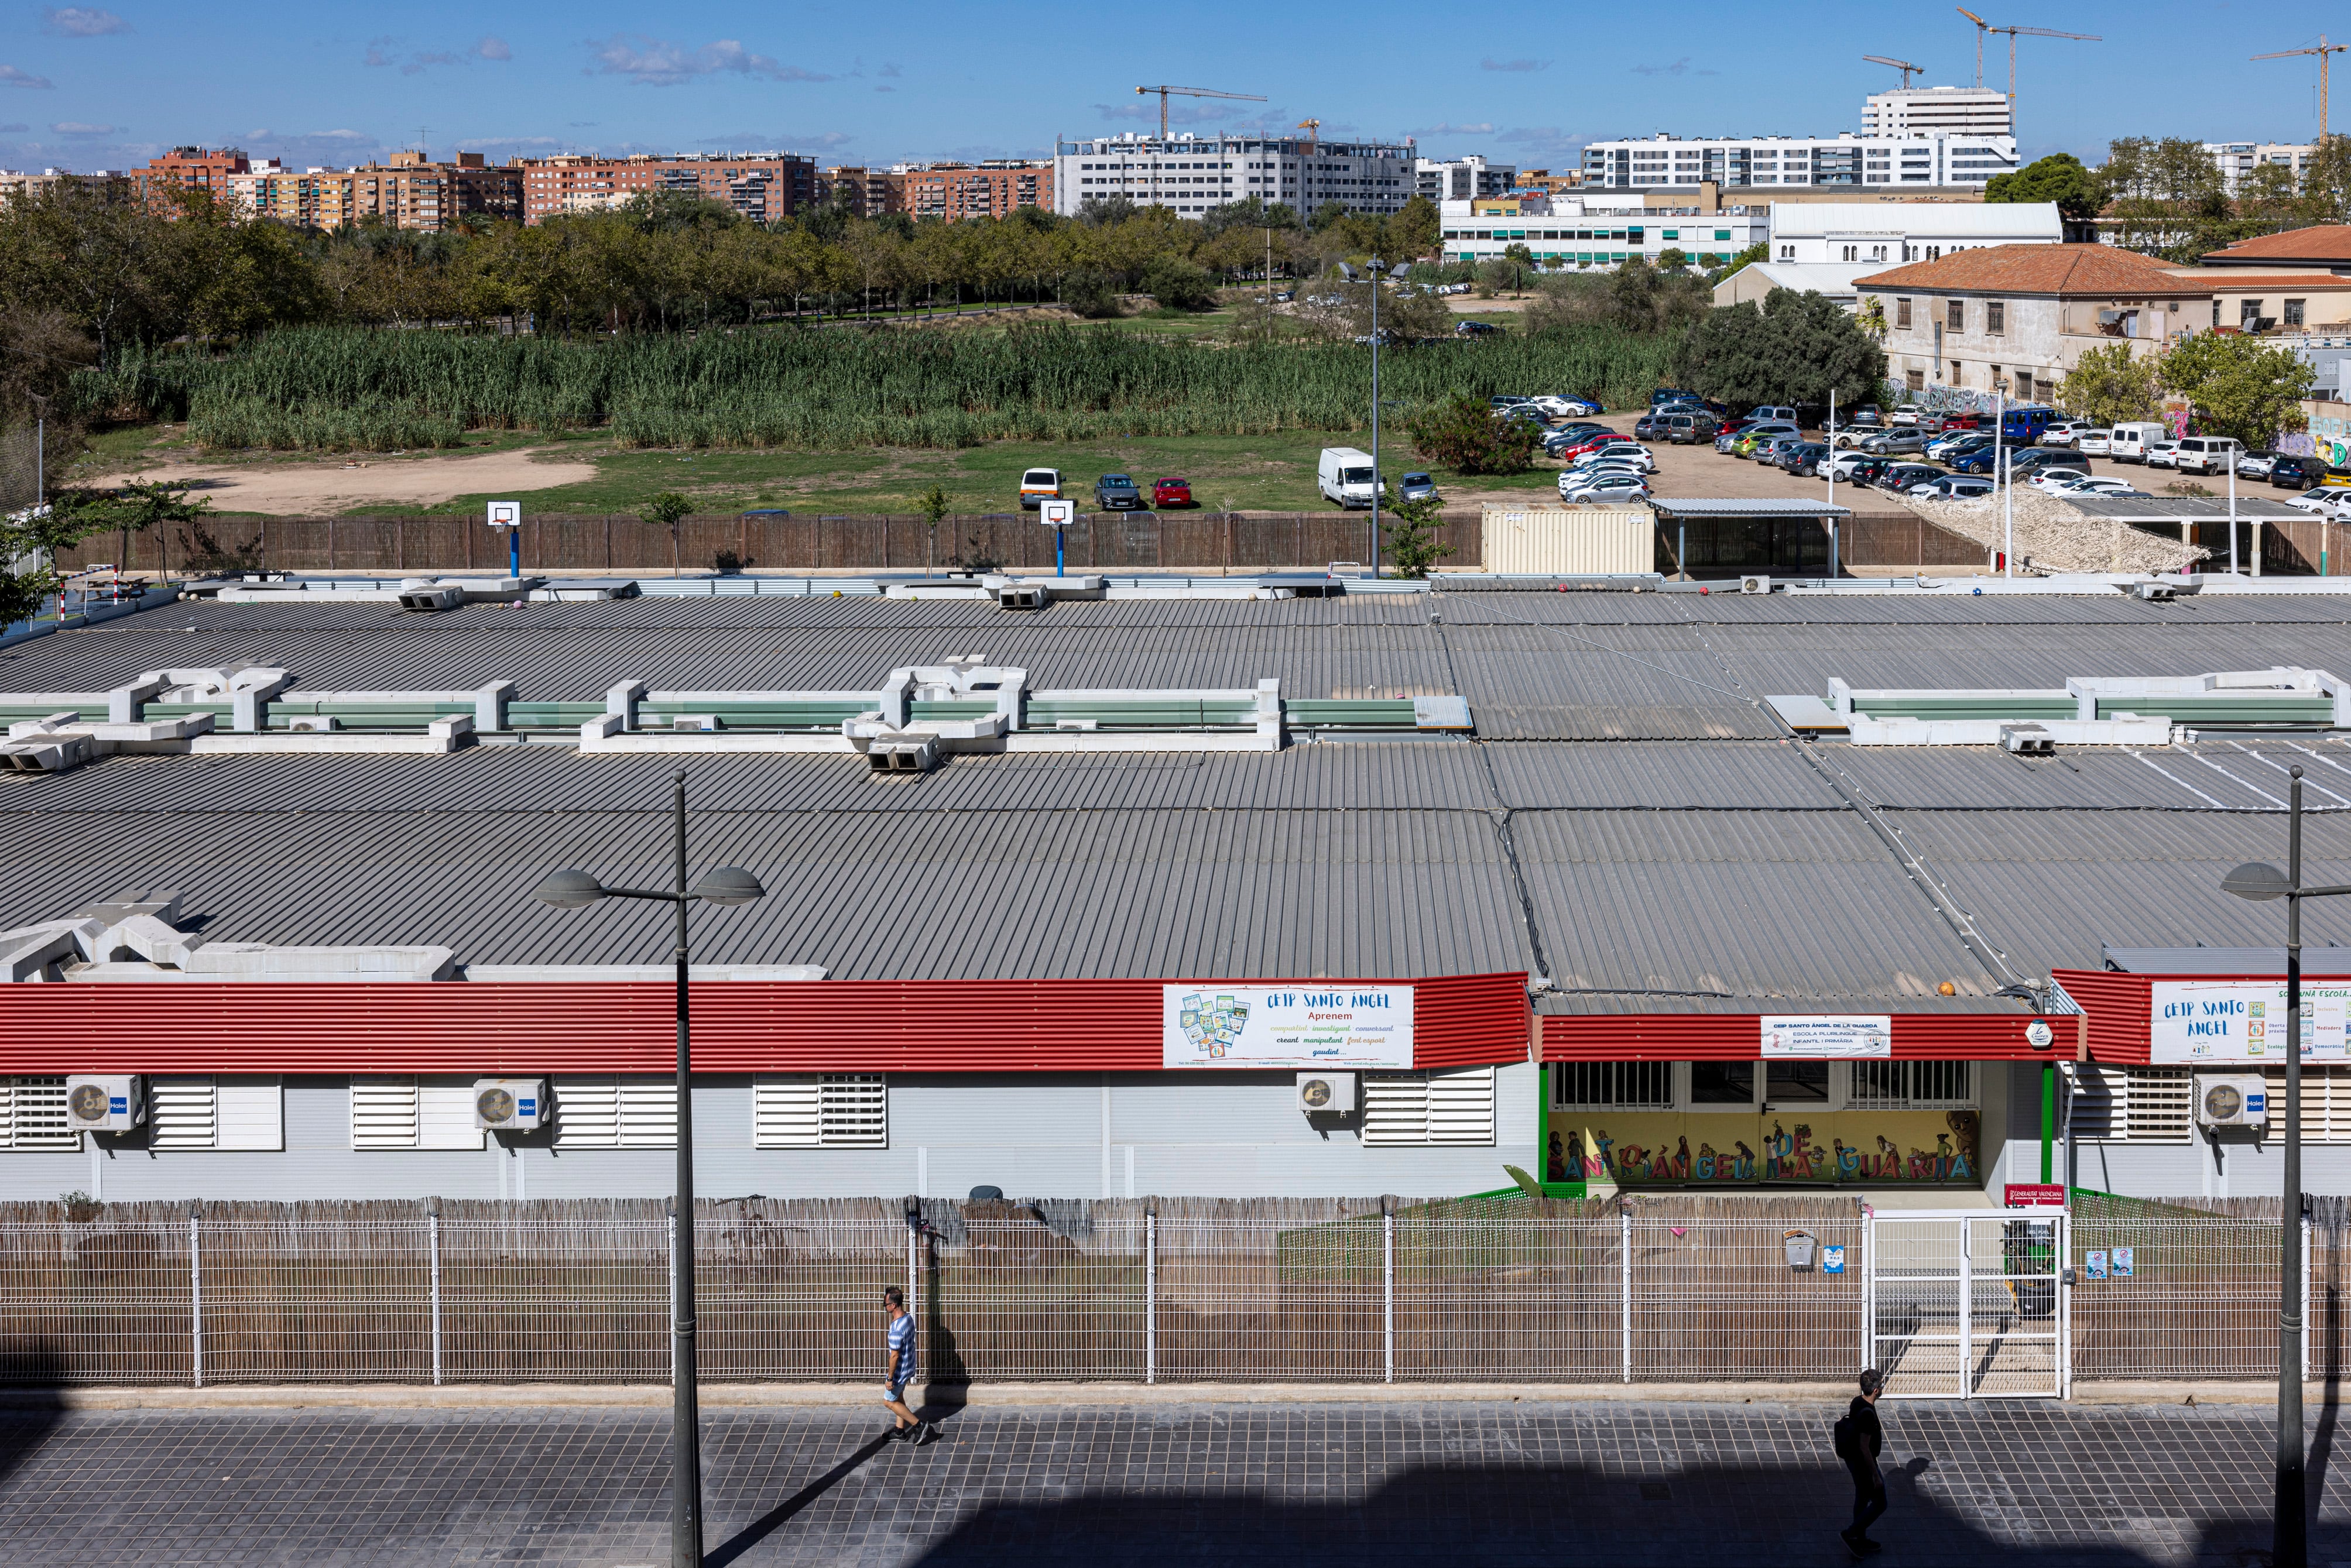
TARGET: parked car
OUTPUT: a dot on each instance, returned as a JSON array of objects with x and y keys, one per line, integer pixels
[
  {"x": 1602, "y": 487},
  {"x": 1905, "y": 413},
  {"x": 1527, "y": 414},
  {"x": 2094, "y": 442},
  {"x": 1950, "y": 488},
  {"x": 1559, "y": 440},
  {"x": 1776, "y": 413},
  {"x": 2207, "y": 453},
  {"x": 2256, "y": 465},
  {"x": 1770, "y": 449},
  {"x": 1868, "y": 413},
  {"x": 1040, "y": 485},
  {"x": 1620, "y": 451},
  {"x": 1345, "y": 477},
  {"x": 1468, "y": 328},
  {"x": 1560, "y": 407},
  {"x": 1893, "y": 442},
  {"x": 2064, "y": 432},
  {"x": 1804, "y": 459},
  {"x": 2127, "y": 442},
  {"x": 2100, "y": 485},
  {"x": 2324, "y": 502},
  {"x": 1569, "y": 450},
  {"x": 1673, "y": 394},
  {"x": 1943, "y": 448},
  {"x": 1116, "y": 493},
  {"x": 1899, "y": 477},
  {"x": 2019, "y": 460},
  {"x": 2054, "y": 479},
  {"x": 1744, "y": 446},
  {"x": 1506, "y": 401},
  {"x": 1858, "y": 467},
  {"x": 1171, "y": 493},
  {"x": 2161, "y": 455},
  {"x": 1687, "y": 429},
  {"x": 1417, "y": 488},
  {"x": 2295, "y": 473}
]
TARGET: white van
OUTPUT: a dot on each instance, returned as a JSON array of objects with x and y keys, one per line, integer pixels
[
  {"x": 1345, "y": 477},
  {"x": 2207, "y": 454},
  {"x": 2131, "y": 440}
]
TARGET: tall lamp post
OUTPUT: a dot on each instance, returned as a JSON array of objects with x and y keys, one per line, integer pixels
[
  {"x": 2290, "y": 1545},
  {"x": 724, "y": 885}
]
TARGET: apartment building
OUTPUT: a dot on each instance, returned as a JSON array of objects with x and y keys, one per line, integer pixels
[
  {"x": 1915, "y": 111},
  {"x": 16, "y": 184},
  {"x": 869, "y": 193},
  {"x": 2238, "y": 159},
  {"x": 953, "y": 191},
  {"x": 1462, "y": 179},
  {"x": 1582, "y": 232},
  {"x": 1823, "y": 247},
  {"x": 1190, "y": 173},
  {"x": 1917, "y": 162},
  {"x": 762, "y": 186},
  {"x": 193, "y": 168}
]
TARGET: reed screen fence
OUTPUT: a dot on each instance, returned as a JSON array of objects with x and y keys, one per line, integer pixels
[{"x": 1167, "y": 1291}]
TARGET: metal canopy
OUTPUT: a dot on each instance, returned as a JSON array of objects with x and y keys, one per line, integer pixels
[
  {"x": 2171, "y": 510},
  {"x": 1772, "y": 507}
]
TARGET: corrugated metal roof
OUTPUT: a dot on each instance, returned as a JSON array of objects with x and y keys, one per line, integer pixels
[
  {"x": 1753, "y": 507},
  {"x": 2315, "y": 960},
  {"x": 2170, "y": 508}
]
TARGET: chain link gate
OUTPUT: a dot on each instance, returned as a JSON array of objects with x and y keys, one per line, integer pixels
[{"x": 1969, "y": 1303}]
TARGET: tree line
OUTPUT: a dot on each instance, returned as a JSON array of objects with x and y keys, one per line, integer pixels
[{"x": 2167, "y": 197}]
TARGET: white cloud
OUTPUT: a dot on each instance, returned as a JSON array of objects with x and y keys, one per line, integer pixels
[
  {"x": 652, "y": 62},
  {"x": 734, "y": 140},
  {"x": 1491, "y": 64},
  {"x": 493, "y": 49},
  {"x": 11, "y": 76},
  {"x": 81, "y": 22},
  {"x": 1445, "y": 128},
  {"x": 77, "y": 129}
]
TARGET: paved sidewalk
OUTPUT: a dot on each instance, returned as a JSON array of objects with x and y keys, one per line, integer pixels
[{"x": 1498, "y": 1484}]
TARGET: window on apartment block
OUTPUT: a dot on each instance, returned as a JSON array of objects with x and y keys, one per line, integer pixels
[
  {"x": 820, "y": 1111},
  {"x": 33, "y": 1114},
  {"x": 1902, "y": 314},
  {"x": 1996, "y": 317},
  {"x": 1441, "y": 1105},
  {"x": 1913, "y": 380},
  {"x": 1955, "y": 315},
  {"x": 2293, "y": 312}
]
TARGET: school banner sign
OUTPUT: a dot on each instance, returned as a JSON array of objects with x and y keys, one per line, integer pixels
[
  {"x": 1275, "y": 1027},
  {"x": 2233, "y": 1022}
]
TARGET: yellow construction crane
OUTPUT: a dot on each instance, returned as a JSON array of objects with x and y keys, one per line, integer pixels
[
  {"x": 1905, "y": 67},
  {"x": 1312, "y": 129},
  {"x": 2322, "y": 50},
  {"x": 1190, "y": 92},
  {"x": 1983, "y": 27}
]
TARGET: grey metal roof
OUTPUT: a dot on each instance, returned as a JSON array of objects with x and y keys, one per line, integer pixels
[
  {"x": 2170, "y": 508},
  {"x": 1759, "y": 507},
  {"x": 1667, "y": 837},
  {"x": 2315, "y": 960}
]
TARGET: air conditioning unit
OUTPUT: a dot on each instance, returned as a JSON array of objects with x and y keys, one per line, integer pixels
[
  {"x": 2027, "y": 740},
  {"x": 430, "y": 596},
  {"x": 903, "y": 755},
  {"x": 510, "y": 1104},
  {"x": 2232, "y": 1100},
  {"x": 1020, "y": 596},
  {"x": 312, "y": 724},
  {"x": 105, "y": 1102},
  {"x": 1326, "y": 1094},
  {"x": 1755, "y": 582},
  {"x": 694, "y": 723}
]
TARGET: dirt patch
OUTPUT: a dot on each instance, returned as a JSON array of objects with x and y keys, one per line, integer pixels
[
  {"x": 334, "y": 484},
  {"x": 2055, "y": 536}
]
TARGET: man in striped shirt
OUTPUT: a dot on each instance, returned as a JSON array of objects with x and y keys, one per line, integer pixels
[{"x": 907, "y": 1427}]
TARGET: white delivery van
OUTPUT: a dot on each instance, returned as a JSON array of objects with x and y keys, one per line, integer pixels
[
  {"x": 2207, "y": 454},
  {"x": 1345, "y": 477},
  {"x": 2132, "y": 439}
]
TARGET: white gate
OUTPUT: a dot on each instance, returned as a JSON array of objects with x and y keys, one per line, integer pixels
[{"x": 1969, "y": 1303}]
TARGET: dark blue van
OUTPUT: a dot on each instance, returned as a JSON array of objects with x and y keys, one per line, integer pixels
[{"x": 2025, "y": 425}]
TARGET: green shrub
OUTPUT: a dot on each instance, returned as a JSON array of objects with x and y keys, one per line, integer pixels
[{"x": 1466, "y": 435}]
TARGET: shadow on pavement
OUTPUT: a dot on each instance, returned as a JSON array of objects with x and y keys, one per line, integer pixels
[
  {"x": 776, "y": 1518},
  {"x": 30, "y": 1373},
  {"x": 1502, "y": 1517}
]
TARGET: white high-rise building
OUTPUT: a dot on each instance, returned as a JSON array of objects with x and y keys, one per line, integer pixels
[
  {"x": 1920, "y": 160},
  {"x": 1190, "y": 175},
  {"x": 2237, "y": 160},
  {"x": 1463, "y": 179},
  {"x": 1923, "y": 111}
]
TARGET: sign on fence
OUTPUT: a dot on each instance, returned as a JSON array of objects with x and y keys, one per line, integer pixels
[
  {"x": 2034, "y": 1194},
  {"x": 2200, "y": 1022},
  {"x": 1262, "y": 1027},
  {"x": 1826, "y": 1035}
]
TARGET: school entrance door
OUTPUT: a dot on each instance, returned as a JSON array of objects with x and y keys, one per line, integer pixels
[{"x": 1969, "y": 1303}]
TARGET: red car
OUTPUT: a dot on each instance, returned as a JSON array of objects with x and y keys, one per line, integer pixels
[
  {"x": 1171, "y": 492},
  {"x": 1576, "y": 449}
]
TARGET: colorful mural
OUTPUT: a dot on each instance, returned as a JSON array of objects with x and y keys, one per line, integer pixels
[{"x": 1680, "y": 1148}]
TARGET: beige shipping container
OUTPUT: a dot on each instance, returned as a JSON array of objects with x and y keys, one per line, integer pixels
[{"x": 1569, "y": 540}]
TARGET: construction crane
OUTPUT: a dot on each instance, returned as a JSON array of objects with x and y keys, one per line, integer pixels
[
  {"x": 1312, "y": 128},
  {"x": 2322, "y": 50},
  {"x": 1983, "y": 27},
  {"x": 1164, "y": 93},
  {"x": 1905, "y": 67}
]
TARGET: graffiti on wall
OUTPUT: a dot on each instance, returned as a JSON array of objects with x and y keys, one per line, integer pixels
[{"x": 1678, "y": 1148}]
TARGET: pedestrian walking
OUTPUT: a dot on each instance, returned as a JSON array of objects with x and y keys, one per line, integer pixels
[
  {"x": 1858, "y": 1439},
  {"x": 900, "y": 1341}
]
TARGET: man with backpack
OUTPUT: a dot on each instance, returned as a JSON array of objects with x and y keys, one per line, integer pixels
[{"x": 1857, "y": 1440}]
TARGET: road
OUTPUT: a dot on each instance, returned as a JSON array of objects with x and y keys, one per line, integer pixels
[{"x": 1502, "y": 1485}]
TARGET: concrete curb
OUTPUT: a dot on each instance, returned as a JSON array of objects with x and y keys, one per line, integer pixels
[{"x": 1005, "y": 1395}]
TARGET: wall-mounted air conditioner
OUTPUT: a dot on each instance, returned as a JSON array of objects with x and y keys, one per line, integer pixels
[
  {"x": 2232, "y": 1100},
  {"x": 510, "y": 1104},
  {"x": 1326, "y": 1094},
  {"x": 105, "y": 1102}
]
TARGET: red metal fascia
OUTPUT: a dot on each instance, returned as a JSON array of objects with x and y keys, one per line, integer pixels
[
  {"x": 1739, "y": 1037},
  {"x": 831, "y": 1026}
]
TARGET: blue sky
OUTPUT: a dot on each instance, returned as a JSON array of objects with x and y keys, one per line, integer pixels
[{"x": 97, "y": 86}]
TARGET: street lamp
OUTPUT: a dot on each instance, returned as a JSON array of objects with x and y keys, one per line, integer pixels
[
  {"x": 726, "y": 886},
  {"x": 2290, "y": 1545}
]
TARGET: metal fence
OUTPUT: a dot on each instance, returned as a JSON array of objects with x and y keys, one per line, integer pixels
[{"x": 1168, "y": 1291}]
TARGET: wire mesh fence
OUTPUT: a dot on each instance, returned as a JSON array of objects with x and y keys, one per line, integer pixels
[{"x": 1173, "y": 1290}]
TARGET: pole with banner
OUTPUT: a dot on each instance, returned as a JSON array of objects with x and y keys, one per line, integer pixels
[
  {"x": 1057, "y": 515},
  {"x": 507, "y": 515}
]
